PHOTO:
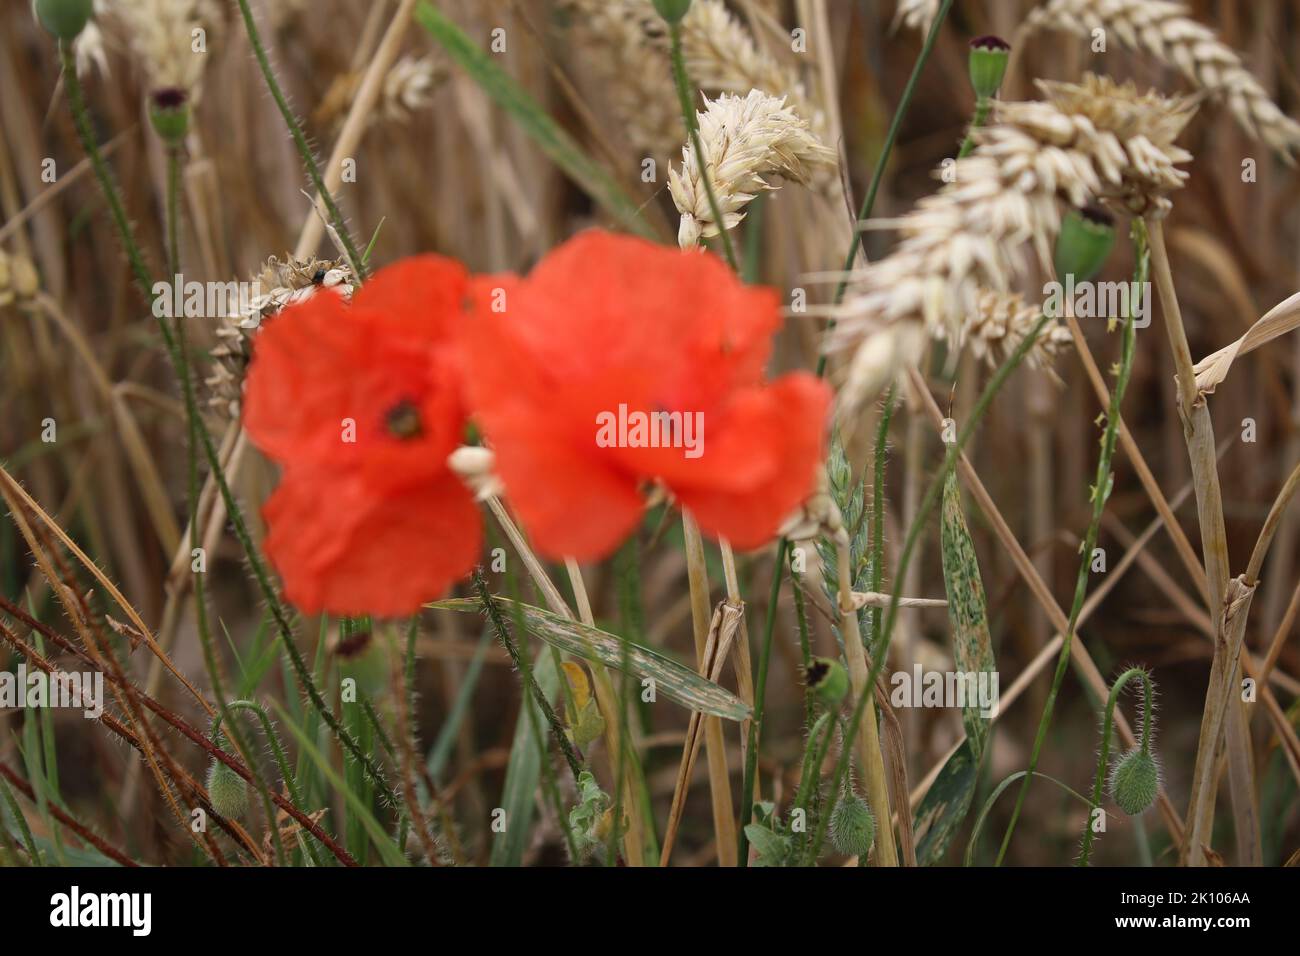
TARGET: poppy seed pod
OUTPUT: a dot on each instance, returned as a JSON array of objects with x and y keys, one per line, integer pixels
[
  {"x": 853, "y": 828},
  {"x": 1085, "y": 241},
  {"x": 227, "y": 790},
  {"x": 1135, "y": 781},
  {"x": 672, "y": 10},
  {"x": 169, "y": 113},
  {"x": 65, "y": 19},
  {"x": 988, "y": 64},
  {"x": 829, "y": 681}
]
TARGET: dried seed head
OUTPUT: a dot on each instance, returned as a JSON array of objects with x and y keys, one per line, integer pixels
[
  {"x": 1135, "y": 781},
  {"x": 1090, "y": 141},
  {"x": 853, "y": 827},
  {"x": 1167, "y": 31},
  {"x": 19, "y": 280},
  {"x": 281, "y": 283},
  {"x": 744, "y": 139},
  {"x": 227, "y": 790}
]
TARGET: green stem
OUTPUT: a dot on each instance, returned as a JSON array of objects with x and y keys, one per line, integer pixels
[
  {"x": 1100, "y": 492},
  {"x": 878, "y": 173},
  {"x": 868, "y": 203},
  {"x": 526, "y": 672},
  {"x": 878, "y": 509},
  {"x": 144, "y": 282},
  {"x": 1103, "y": 755},
  {"x": 760, "y": 695},
  {"x": 684, "y": 96},
  {"x": 982, "y": 106},
  {"x": 300, "y": 141}
]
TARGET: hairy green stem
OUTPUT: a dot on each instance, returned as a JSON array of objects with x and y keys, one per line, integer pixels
[
  {"x": 526, "y": 672},
  {"x": 300, "y": 140},
  {"x": 144, "y": 282},
  {"x": 1100, "y": 492},
  {"x": 1103, "y": 754}
]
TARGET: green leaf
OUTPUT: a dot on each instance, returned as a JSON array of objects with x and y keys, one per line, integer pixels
[
  {"x": 592, "y": 644},
  {"x": 945, "y": 805},
  {"x": 588, "y": 175},
  {"x": 524, "y": 767},
  {"x": 967, "y": 609}
]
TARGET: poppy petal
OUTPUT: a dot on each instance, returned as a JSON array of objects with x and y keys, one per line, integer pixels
[{"x": 342, "y": 549}]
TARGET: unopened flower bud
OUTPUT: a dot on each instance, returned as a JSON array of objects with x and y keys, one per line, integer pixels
[
  {"x": 1086, "y": 238},
  {"x": 988, "y": 64},
  {"x": 1135, "y": 781},
  {"x": 853, "y": 828},
  {"x": 65, "y": 19}
]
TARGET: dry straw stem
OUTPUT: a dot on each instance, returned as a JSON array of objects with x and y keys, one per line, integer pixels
[
  {"x": 1038, "y": 587},
  {"x": 724, "y": 821},
  {"x": 1198, "y": 432},
  {"x": 744, "y": 139},
  {"x": 1093, "y": 140},
  {"x": 871, "y": 761},
  {"x": 1167, "y": 31}
]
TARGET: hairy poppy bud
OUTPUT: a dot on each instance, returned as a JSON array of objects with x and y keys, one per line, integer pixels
[
  {"x": 227, "y": 790},
  {"x": 63, "y": 18},
  {"x": 1084, "y": 243},
  {"x": 829, "y": 681},
  {"x": 988, "y": 64},
  {"x": 1135, "y": 781},
  {"x": 853, "y": 828},
  {"x": 672, "y": 10}
]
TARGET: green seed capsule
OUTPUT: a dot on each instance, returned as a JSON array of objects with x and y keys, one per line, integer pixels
[
  {"x": 169, "y": 113},
  {"x": 1085, "y": 241},
  {"x": 63, "y": 18},
  {"x": 853, "y": 828},
  {"x": 1135, "y": 781},
  {"x": 829, "y": 681},
  {"x": 672, "y": 10},
  {"x": 988, "y": 64},
  {"x": 227, "y": 791}
]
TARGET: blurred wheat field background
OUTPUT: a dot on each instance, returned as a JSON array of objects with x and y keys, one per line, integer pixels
[{"x": 492, "y": 132}]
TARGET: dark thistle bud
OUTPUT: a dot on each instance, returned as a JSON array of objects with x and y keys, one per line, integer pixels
[
  {"x": 169, "y": 112},
  {"x": 65, "y": 19},
  {"x": 1085, "y": 241},
  {"x": 829, "y": 681},
  {"x": 853, "y": 828},
  {"x": 1135, "y": 781},
  {"x": 988, "y": 65}
]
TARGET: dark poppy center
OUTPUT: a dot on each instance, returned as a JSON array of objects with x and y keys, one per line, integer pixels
[{"x": 403, "y": 420}]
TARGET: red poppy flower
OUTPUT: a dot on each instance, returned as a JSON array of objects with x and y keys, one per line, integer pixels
[
  {"x": 618, "y": 362},
  {"x": 361, "y": 404}
]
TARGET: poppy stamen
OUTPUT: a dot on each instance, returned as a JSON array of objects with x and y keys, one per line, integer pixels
[{"x": 403, "y": 420}]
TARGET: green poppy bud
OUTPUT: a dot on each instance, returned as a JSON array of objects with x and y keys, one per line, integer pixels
[
  {"x": 829, "y": 681},
  {"x": 1086, "y": 238},
  {"x": 1135, "y": 781},
  {"x": 988, "y": 64},
  {"x": 63, "y": 18},
  {"x": 169, "y": 112},
  {"x": 227, "y": 790},
  {"x": 672, "y": 10},
  {"x": 853, "y": 828}
]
